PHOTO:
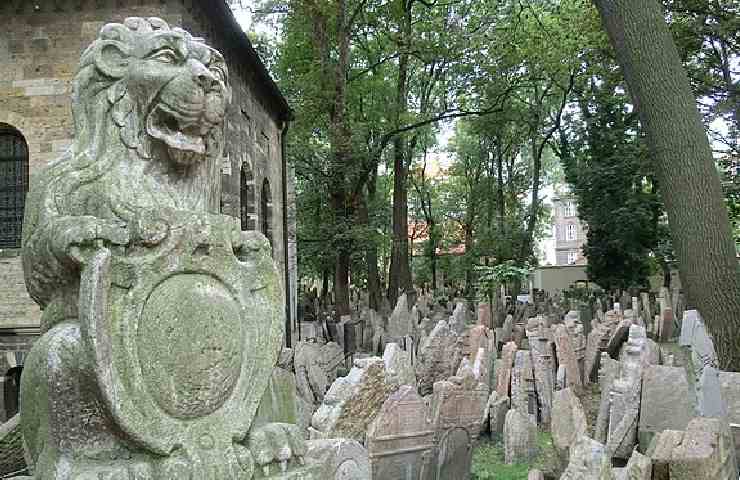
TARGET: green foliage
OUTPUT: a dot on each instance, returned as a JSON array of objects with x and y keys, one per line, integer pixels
[
  {"x": 509, "y": 271},
  {"x": 606, "y": 163}
]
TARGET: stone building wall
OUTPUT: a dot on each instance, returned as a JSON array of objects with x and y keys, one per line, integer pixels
[{"x": 40, "y": 47}]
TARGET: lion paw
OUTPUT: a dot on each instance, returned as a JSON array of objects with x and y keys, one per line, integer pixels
[{"x": 277, "y": 445}]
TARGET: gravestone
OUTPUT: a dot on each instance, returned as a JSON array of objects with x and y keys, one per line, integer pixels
[
  {"x": 503, "y": 370},
  {"x": 567, "y": 357},
  {"x": 730, "y": 386},
  {"x": 520, "y": 438},
  {"x": 687, "y": 327},
  {"x": 706, "y": 452},
  {"x": 588, "y": 461},
  {"x": 608, "y": 371},
  {"x": 399, "y": 323},
  {"x": 173, "y": 316},
  {"x": 624, "y": 396},
  {"x": 343, "y": 459},
  {"x": 639, "y": 467},
  {"x": 454, "y": 455},
  {"x": 523, "y": 397},
  {"x": 543, "y": 361},
  {"x": 437, "y": 359},
  {"x": 665, "y": 402},
  {"x": 484, "y": 315},
  {"x": 401, "y": 438},
  {"x": 352, "y": 402},
  {"x": 398, "y": 367},
  {"x": 568, "y": 422},
  {"x": 498, "y": 406},
  {"x": 457, "y": 408}
]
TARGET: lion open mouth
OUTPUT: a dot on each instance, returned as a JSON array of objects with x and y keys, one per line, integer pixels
[{"x": 177, "y": 131}]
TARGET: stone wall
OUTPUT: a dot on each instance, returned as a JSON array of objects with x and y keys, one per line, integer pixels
[{"x": 17, "y": 309}]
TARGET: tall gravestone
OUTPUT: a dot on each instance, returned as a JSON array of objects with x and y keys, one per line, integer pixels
[{"x": 162, "y": 319}]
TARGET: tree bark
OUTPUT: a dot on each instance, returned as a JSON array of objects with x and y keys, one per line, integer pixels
[
  {"x": 534, "y": 208},
  {"x": 371, "y": 252},
  {"x": 399, "y": 277},
  {"x": 691, "y": 187}
]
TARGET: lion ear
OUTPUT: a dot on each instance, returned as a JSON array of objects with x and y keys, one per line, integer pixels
[{"x": 112, "y": 58}]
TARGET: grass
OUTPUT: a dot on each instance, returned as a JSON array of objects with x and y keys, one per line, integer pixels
[{"x": 488, "y": 461}]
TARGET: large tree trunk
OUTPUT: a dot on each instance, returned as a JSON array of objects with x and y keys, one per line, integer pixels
[
  {"x": 534, "y": 208},
  {"x": 342, "y": 263},
  {"x": 371, "y": 251},
  {"x": 690, "y": 184},
  {"x": 399, "y": 277}
]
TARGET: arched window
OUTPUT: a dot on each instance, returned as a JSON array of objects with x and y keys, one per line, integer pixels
[
  {"x": 13, "y": 185},
  {"x": 248, "y": 207},
  {"x": 12, "y": 390},
  {"x": 266, "y": 211}
]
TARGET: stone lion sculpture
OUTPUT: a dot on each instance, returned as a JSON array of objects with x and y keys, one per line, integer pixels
[{"x": 162, "y": 321}]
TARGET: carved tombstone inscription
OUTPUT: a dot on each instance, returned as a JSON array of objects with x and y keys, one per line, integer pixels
[
  {"x": 162, "y": 319},
  {"x": 401, "y": 439}
]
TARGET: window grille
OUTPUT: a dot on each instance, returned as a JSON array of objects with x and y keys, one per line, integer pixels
[{"x": 13, "y": 186}]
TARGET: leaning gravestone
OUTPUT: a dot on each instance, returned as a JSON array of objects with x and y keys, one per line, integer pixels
[
  {"x": 665, "y": 402},
  {"x": 163, "y": 320}
]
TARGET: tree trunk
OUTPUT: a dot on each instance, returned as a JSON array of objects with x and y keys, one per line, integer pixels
[
  {"x": 399, "y": 277},
  {"x": 690, "y": 184},
  {"x": 432, "y": 249},
  {"x": 534, "y": 208},
  {"x": 468, "y": 253},
  {"x": 371, "y": 252},
  {"x": 324, "y": 287},
  {"x": 341, "y": 284}
]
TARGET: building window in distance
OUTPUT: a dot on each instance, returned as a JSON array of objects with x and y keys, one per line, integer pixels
[
  {"x": 572, "y": 233},
  {"x": 572, "y": 257},
  {"x": 570, "y": 209}
]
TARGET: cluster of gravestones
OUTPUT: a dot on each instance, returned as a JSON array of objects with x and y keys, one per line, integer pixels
[
  {"x": 659, "y": 417},
  {"x": 419, "y": 406}
]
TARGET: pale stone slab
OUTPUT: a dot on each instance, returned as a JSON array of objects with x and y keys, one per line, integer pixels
[
  {"x": 568, "y": 421},
  {"x": 588, "y": 461},
  {"x": 341, "y": 459},
  {"x": 353, "y": 401},
  {"x": 567, "y": 357},
  {"x": 398, "y": 367},
  {"x": 688, "y": 323},
  {"x": 665, "y": 402},
  {"x": 706, "y": 453},
  {"x": 504, "y": 368},
  {"x": 520, "y": 438},
  {"x": 438, "y": 359}
]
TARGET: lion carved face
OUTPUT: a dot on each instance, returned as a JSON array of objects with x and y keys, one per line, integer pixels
[{"x": 169, "y": 91}]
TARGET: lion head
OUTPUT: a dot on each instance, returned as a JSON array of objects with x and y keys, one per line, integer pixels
[
  {"x": 149, "y": 104},
  {"x": 160, "y": 86}
]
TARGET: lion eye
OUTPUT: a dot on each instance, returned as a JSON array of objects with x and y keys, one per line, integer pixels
[{"x": 165, "y": 56}]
